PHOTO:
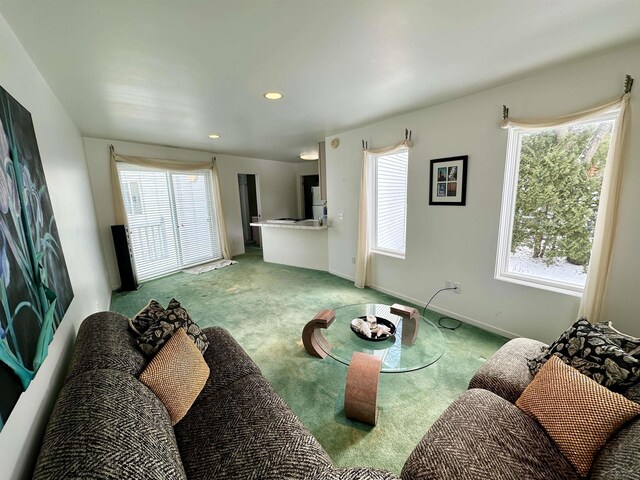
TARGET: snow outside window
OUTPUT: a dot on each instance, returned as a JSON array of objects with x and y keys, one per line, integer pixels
[
  {"x": 552, "y": 184},
  {"x": 389, "y": 195}
]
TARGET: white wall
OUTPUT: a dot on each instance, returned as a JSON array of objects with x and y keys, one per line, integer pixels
[
  {"x": 65, "y": 168},
  {"x": 459, "y": 243},
  {"x": 277, "y": 192},
  {"x": 277, "y": 185}
]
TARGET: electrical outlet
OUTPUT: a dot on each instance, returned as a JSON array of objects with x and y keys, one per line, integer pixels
[
  {"x": 456, "y": 285},
  {"x": 341, "y": 216}
]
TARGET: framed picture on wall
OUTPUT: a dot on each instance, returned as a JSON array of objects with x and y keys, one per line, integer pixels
[
  {"x": 448, "y": 181},
  {"x": 35, "y": 289}
]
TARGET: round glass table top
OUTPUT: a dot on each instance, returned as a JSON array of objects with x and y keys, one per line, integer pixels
[{"x": 419, "y": 345}]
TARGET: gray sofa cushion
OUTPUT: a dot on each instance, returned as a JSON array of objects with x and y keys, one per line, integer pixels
[
  {"x": 246, "y": 431},
  {"x": 227, "y": 361},
  {"x": 633, "y": 393},
  {"x": 105, "y": 341},
  {"x": 506, "y": 373},
  {"x": 620, "y": 457},
  {"x": 483, "y": 436},
  {"x": 107, "y": 425},
  {"x": 355, "y": 473}
]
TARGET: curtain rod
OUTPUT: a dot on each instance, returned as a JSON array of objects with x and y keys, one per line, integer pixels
[
  {"x": 628, "y": 85},
  {"x": 407, "y": 137}
]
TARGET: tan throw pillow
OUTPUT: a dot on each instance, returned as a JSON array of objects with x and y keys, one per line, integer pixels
[
  {"x": 177, "y": 375},
  {"x": 577, "y": 413}
]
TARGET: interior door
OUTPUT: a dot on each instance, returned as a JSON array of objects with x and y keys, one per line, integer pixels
[{"x": 245, "y": 213}]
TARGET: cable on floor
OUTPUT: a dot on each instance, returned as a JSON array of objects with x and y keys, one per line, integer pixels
[{"x": 445, "y": 327}]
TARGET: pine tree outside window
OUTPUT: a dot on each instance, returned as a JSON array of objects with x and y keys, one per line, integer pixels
[{"x": 553, "y": 180}]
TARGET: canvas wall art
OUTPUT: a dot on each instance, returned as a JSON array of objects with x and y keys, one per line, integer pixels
[{"x": 35, "y": 290}]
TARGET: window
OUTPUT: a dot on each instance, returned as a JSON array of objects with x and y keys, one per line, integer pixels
[
  {"x": 131, "y": 194},
  {"x": 389, "y": 200},
  {"x": 553, "y": 178},
  {"x": 171, "y": 217}
]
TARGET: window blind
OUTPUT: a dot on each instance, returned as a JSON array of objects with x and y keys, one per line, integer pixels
[
  {"x": 391, "y": 201},
  {"x": 171, "y": 218}
]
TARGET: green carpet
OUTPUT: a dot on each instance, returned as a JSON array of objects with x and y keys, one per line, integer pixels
[{"x": 265, "y": 306}]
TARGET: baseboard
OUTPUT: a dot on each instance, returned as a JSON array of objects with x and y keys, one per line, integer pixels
[
  {"x": 342, "y": 275},
  {"x": 415, "y": 301},
  {"x": 457, "y": 316}
]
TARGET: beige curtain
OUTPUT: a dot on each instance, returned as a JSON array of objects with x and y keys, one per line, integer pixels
[
  {"x": 594, "y": 290},
  {"x": 171, "y": 165},
  {"x": 364, "y": 240}
]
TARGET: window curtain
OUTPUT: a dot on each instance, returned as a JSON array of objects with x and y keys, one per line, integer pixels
[
  {"x": 172, "y": 165},
  {"x": 364, "y": 238},
  {"x": 601, "y": 250}
]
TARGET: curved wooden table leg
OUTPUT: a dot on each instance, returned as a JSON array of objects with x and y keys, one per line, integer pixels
[
  {"x": 314, "y": 342},
  {"x": 410, "y": 322},
  {"x": 361, "y": 392}
]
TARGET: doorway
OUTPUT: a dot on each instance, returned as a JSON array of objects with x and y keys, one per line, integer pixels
[
  {"x": 311, "y": 196},
  {"x": 249, "y": 207}
]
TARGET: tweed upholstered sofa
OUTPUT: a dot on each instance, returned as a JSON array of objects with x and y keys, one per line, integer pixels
[
  {"x": 108, "y": 425},
  {"x": 483, "y": 435}
]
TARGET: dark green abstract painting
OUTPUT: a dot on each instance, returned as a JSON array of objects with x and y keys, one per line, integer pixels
[{"x": 35, "y": 290}]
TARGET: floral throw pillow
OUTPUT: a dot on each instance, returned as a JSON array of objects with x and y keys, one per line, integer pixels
[
  {"x": 152, "y": 340},
  {"x": 629, "y": 344},
  {"x": 589, "y": 350},
  {"x": 146, "y": 317},
  {"x": 158, "y": 325},
  {"x": 174, "y": 310}
]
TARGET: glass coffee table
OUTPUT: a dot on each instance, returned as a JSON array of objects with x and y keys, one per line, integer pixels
[{"x": 417, "y": 343}]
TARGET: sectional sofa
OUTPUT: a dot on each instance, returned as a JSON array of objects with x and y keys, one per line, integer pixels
[{"x": 108, "y": 425}]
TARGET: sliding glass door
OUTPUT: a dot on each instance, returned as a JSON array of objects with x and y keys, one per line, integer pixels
[{"x": 172, "y": 219}]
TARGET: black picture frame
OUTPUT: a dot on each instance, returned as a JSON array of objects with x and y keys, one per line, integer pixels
[{"x": 448, "y": 181}]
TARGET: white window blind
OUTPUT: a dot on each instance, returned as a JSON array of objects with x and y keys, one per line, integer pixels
[
  {"x": 390, "y": 202},
  {"x": 171, "y": 218}
]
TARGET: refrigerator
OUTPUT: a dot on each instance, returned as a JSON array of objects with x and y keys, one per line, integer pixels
[{"x": 317, "y": 204}]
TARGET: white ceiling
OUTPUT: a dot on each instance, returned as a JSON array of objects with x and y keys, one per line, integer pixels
[{"x": 171, "y": 72}]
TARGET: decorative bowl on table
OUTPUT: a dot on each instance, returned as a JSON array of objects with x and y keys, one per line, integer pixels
[{"x": 374, "y": 337}]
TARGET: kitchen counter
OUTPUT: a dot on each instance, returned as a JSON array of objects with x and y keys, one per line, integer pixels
[
  {"x": 296, "y": 243},
  {"x": 300, "y": 225}
]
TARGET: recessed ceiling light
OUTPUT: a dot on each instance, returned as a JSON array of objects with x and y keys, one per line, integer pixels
[
  {"x": 273, "y": 96},
  {"x": 214, "y": 135},
  {"x": 309, "y": 156}
]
